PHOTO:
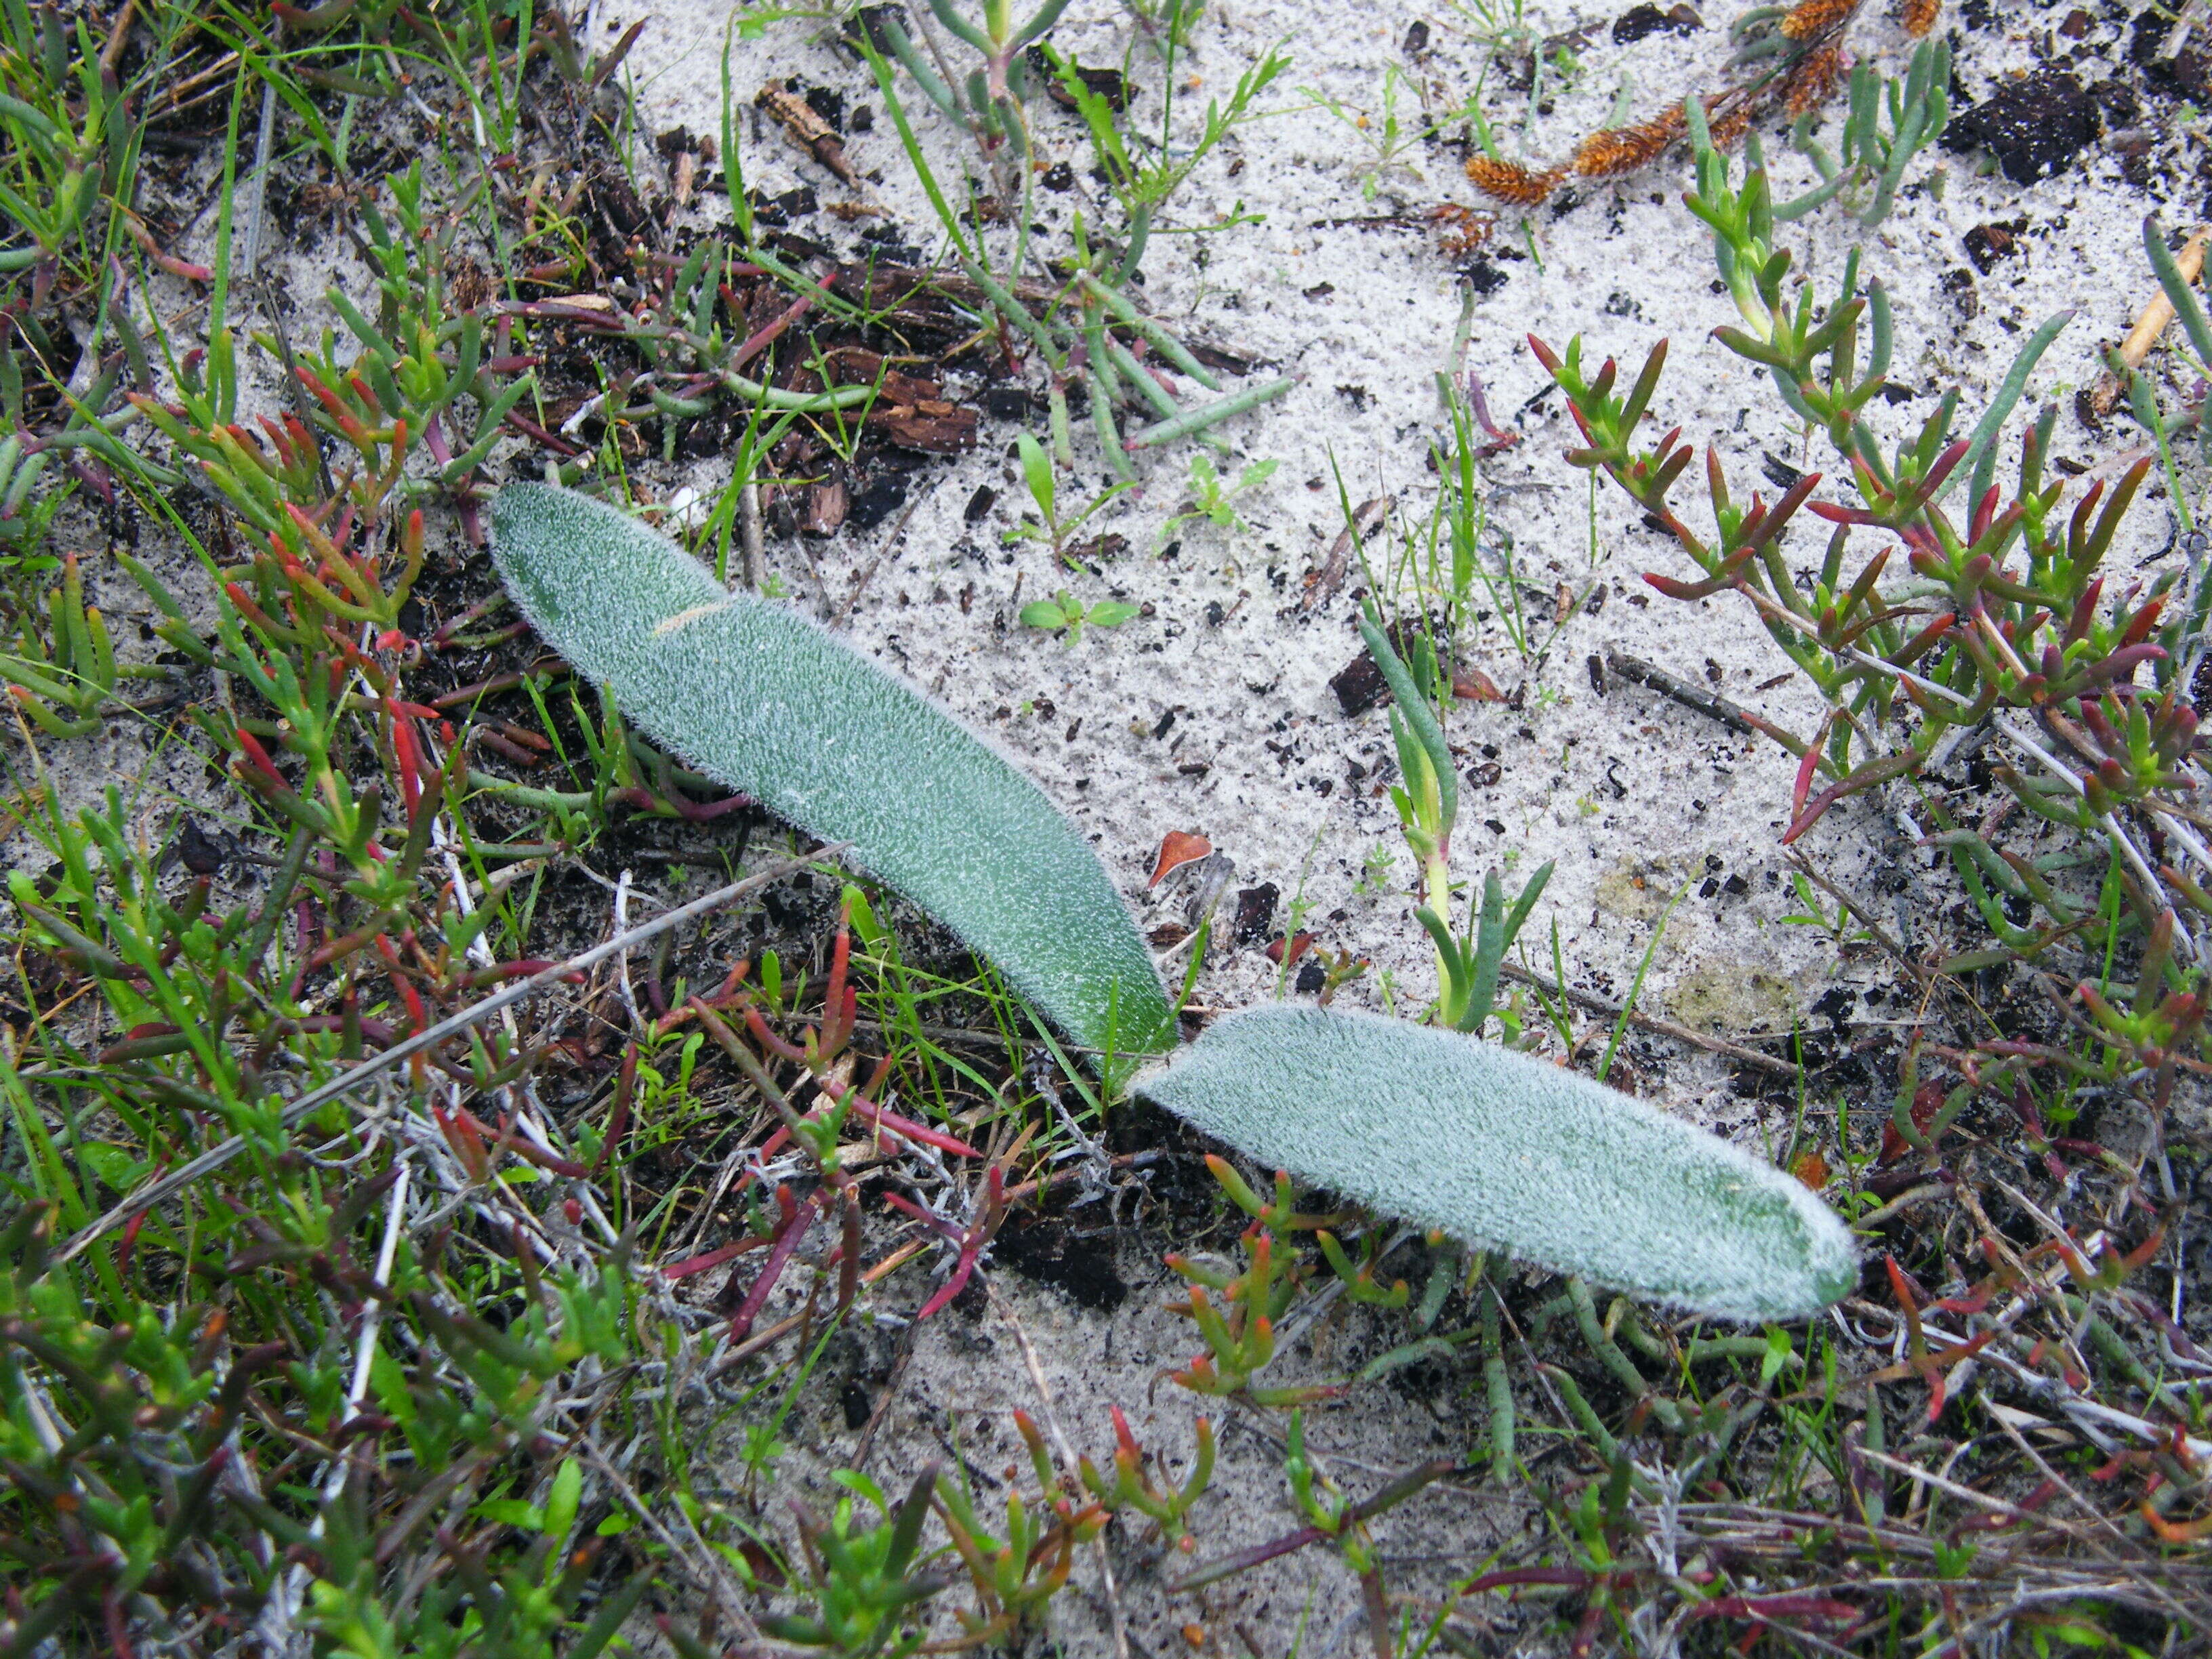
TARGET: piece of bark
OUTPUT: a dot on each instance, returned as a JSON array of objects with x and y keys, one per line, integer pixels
[
  {"x": 826, "y": 506},
  {"x": 808, "y": 130}
]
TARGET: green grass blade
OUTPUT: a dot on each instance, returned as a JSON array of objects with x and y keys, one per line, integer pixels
[
  {"x": 1635, "y": 986},
  {"x": 1508, "y": 1152},
  {"x": 761, "y": 700},
  {"x": 1980, "y": 466},
  {"x": 2179, "y": 293}
]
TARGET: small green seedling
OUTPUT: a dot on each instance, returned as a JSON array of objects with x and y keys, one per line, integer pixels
[
  {"x": 1874, "y": 161},
  {"x": 1143, "y": 170},
  {"x": 1015, "y": 1577},
  {"x": 1240, "y": 1332},
  {"x": 1374, "y": 872},
  {"x": 1360, "y": 1283},
  {"x": 1037, "y": 473},
  {"x": 1814, "y": 916},
  {"x": 1333, "y": 1514},
  {"x": 23, "y": 520},
  {"x": 864, "y": 1581},
  {"x": 64, "y": 687},
  {"x": 1428, "y": 805},
  {"x": 1209, "y": 500},
  {"x": 1428, "y": 801},
  {"x": 1062, "y": 613},
  {"x": 989, "y": 100},
  {"x": 1467, "y": 995},
  {"x": 1390, "y": 136}
]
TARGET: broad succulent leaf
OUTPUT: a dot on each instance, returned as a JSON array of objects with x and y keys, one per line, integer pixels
[
  {"x": 1508, "y": 1152},
  {"x": 758, "y": 698}
]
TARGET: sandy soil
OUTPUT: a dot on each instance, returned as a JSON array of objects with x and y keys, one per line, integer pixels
[
  {"x": 1630, "y": 795},
  {"x": 1213, "y": 712}
]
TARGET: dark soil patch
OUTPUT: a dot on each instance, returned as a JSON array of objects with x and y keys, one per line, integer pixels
[
  {"x": 1048, "y": 1251},
  {"x": 2033, "y": 127}
]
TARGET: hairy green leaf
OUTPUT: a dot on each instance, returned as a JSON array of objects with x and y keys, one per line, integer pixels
[
  {"x": 760, "y": 699},
  {"x": 1509, "y": 1153}
]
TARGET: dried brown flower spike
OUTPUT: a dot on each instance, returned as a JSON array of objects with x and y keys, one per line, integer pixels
[
  {"x": 1811, "y": 18},
  {"x": 1730, "y": 120},
  {"x": 1799, "y": 78},
  {"x": 1509, "y": 181},
  {"x": 1813, "y": 81},
  {"x": 1470, "y": 227},
  {"x": 1605, "y": 154}
]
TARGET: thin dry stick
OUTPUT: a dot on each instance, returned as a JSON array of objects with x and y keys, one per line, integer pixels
[
  {"x": 1598, "y": 1005},
  {"x": 212, "y": 1159},
  {"x": 256, "y": 193},
  {"x": 783, "y": 1327},
  {"x": 890, "y": 1393},
  {"x": 173, "y": 102},
  {"x": 1711, "y": 704},
  {"x": 1950, "y": 1488},
  {"x": 119, "y": 36},
  {"x": 860, "y": 582},
  {"x": 2128, "y": 1547},
  {"x": 2134, "y": 855},
  {"x": 755, "y": 565},
  {"x": 2159, "y": 312},
  {"x": 2151, "y": 323},
  {"x": 1068, "y": 1460}
]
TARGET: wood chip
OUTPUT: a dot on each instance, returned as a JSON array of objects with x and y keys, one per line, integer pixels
[
  {"x": 2104, "y": 396},
  {"x": 931, "y": 426},
  {"x": 1471, "y": 685},
  {"x": 826, "y": 506}
]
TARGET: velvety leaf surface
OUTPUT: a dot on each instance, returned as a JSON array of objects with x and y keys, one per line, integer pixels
[
  {"x": 757, "y": 697},
  {"x": 1512, "y": 1153}
]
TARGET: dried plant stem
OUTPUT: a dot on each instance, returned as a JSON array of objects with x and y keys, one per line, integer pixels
[
  {"x": 783, "y": 1327},
  {"x": 1068, "y": 1460},
  {"x": 749, "y": 536},
  {"x": 2155, "y": 317}
]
